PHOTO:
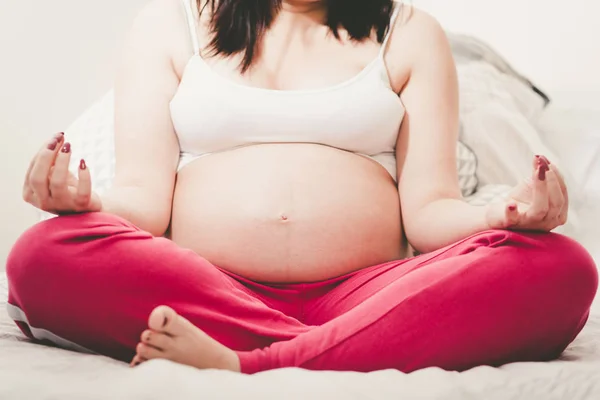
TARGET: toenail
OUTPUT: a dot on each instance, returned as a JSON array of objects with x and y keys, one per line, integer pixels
[{"x": 165, "y": 322}]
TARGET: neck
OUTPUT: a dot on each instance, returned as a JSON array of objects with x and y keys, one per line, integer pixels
[{"x": 315, "y": 10}]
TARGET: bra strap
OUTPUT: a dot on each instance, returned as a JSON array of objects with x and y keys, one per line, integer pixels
[
  {"x": 191, "y": 19},
  {"x": 397, "y": 10}
]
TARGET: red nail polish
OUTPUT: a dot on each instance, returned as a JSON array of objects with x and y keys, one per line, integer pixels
[
  {"x": 52, "y": 145},
  {"x": 82, "y": 165},
  {"x": 512, "y": 207},
  {"x": 542, "y": 173},
  {"x": 66, "y": 148}
]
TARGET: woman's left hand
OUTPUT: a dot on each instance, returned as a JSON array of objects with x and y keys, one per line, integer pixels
[{"x": 537, "y": 204}]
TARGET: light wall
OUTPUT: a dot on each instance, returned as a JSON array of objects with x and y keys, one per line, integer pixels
[
  {"x": 556, "y": 43},
  {"x": 58, "y": 56}
]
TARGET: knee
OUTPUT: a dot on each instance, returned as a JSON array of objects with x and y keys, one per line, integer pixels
[
  {"x": 31, "y": 247},
  {"x": 45, "y": 249},
  {"x": 559, "y": 267}
]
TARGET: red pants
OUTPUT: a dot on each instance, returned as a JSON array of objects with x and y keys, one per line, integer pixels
[{"x": 499, "y": 296}]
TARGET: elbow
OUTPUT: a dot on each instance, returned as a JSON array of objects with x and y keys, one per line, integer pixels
[
  {"x": 134, "y": 205},
  {"x": 420, "y": 243},
  {"x": 417, "y": 237},
  {"x": 155, "y": 223},
  {"x": 156, "y": 228}
]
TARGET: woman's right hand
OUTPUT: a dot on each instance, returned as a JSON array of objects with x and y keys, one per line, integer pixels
[{"x": 50, "y": 186}]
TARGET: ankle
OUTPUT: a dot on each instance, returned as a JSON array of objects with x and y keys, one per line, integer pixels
[{"x": 230, "y": 361}]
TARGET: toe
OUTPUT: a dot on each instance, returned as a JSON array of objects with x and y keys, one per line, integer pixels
[
  {"x": 137, "y": 360},
  {"x": 165, "y": 320},
  {"x": 162, "y": 318},
  {"x": 148, "y": 352},
  {"x": 156, "y": 339},
  {"x": 145, "y": 336}
]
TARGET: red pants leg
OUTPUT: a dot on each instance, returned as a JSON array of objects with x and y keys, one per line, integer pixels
[
  {"x": 493, "y": 298},
  {"x": 93, "y": 279}
]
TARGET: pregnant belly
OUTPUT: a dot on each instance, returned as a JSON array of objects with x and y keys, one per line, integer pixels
[{"x": 288, "y": 212}]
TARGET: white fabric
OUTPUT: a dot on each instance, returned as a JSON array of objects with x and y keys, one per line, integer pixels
[
  {"x": 494, "y": 125},
  {"x": 466, "y": 164},
  {"x": 92, "y": 138},
  {"x": 191, "y": 16},
  {"x": 573, "y": 131},
  {"x": 212, "y": 113},
  {"x": 499, "y": 122},
  {"x": 32, "y": 371}
]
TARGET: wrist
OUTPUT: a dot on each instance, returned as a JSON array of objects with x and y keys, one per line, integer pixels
[{"x": 495, "y": 215}]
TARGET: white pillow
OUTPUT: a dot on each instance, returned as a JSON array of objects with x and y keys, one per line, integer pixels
[
  {"x": 92, "y": 138},
  {"x": 505, "y": 138},
  {"x": 495, "y": 127}
]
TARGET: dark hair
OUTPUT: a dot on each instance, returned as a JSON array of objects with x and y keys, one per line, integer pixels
[{"x": 238, "y": 26}]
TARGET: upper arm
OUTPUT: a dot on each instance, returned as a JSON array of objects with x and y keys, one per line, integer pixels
[
  {"x": 426, "y": 147},
  {"x": 146, "y": 147}
]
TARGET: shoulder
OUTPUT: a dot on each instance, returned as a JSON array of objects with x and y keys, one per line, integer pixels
[
  {"x": 417, "y": 38},
  {"x": 417, "y": 31},
  {"x": 160, "y": 27}
]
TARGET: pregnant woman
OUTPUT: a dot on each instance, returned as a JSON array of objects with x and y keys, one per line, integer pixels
[{"x": 274, "y": 160}]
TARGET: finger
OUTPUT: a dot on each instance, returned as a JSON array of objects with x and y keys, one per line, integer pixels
[
  {"x": 26, "y": 187},
  {"x": 561, "y": 182},
  {"x": 564, "y": 214},
  {"x": 60, "y": 174},
  {"x": 512, "y": 214},
  {"x": 556, "y": 199},
  {"x": 84, "y": 187},
  {"x": 72, "y": 180},
  {"x": 38, "y": 180},
  {"x": 540, "y": 203},
  {"x": 59, "y": 137}
]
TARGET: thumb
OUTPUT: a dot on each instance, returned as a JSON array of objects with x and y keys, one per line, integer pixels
[
  {"x": 72, "y": 180},
  {"x": 503, "y": 215},
  {"x": 512, "y": 214}
]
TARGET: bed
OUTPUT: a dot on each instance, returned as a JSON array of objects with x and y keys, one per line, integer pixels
[{"x": 36, "y": 371}]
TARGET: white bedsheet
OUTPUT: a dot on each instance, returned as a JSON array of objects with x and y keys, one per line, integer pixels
[{"x": 33, "y": 371}]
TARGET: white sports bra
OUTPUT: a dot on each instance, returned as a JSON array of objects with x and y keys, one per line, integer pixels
[{"x": 212, "y": 113}]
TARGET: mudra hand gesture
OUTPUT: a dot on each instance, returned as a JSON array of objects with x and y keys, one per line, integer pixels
[
  {"x": 50, "y": 186},
  {"x": 540, "y": 203}
]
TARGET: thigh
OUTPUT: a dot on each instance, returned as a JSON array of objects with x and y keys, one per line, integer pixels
[
  {"x": 93, "y": 280},
  {"x": 493, "y": 298},
  {"x": 409, "y": 276}
]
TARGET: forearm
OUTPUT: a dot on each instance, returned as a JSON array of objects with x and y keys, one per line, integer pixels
[
  {"x": 138, "y": 207},
  {"x": 443, "y": 222}
]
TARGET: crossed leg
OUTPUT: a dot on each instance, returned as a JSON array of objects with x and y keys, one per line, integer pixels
[{"x": 493, "y": 298}]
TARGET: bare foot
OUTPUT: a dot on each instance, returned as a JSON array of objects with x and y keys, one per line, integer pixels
[{"x": 174, "y": 338}]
